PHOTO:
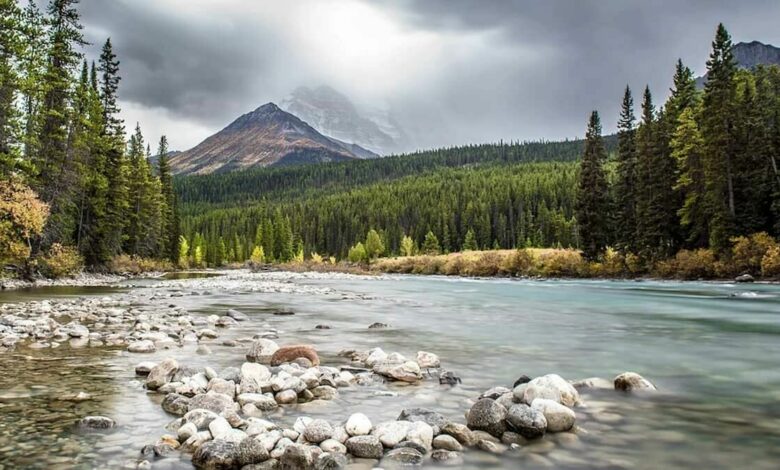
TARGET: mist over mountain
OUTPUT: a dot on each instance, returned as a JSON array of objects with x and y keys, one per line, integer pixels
[{"x": 333, "y": 114}]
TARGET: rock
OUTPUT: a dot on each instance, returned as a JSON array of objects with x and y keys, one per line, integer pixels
[
  {"x": 630, "y": 381},
  {"x": 270, "y": 464},
  {"x": 366, "y": 447},
  {"x": 331, "y": 461},
  {"x": 391, "y": 433},
  {"x": 403, "y": 457},
  {"x": 220, "y": 428},
  {"x": 523, "y": 379},
  {"x": 286, "y": 397},
  {"x": 421, "y": 433},
  {"x": 495, "y": 392},
  {"x": 461, "y": 432},
  {"x": 511, "y": 437},
  {"x": 413, "y": 445},
  {"x": 317, "y": 431},
  {"x": 449, "y": 378},
  {"x": 340, "y": 434},
  {"x": 428, "y": 360},
  {"x": 322, "y": 327},
  {"x": 358, "y": 425},
  {"x": 262, "y": 402},
  {"x": 296, "y": 457},
  {"x": 491, "y": 447},
  {"x": 231, "y": 373},
  {"x": 377, "y": 325},
  {"x": 301, "y": 423},
  {"x": 225, "y": 387},
  {"x": 254, "y": 377},
  {"x": 216, "y": 402},
  {"x": 422, "y": 414},
  {"x": 744, "y": 278},
  {"x": 526, "y": 421},
  {"x": 447, "y": 442},
  {"x": 162, "y": 373},
  {"x": 96, "y": 422},
  {"x": 186, "y": 431},
  {"x": 236, "y": 315},
  {"x": 559, "y": 418},
  {"x": 261, "y": 350},
  {"x": 593, "y": 383},
  {"x": 290, "y": 353},
  {"x": 487, "y": 415},
  {"x": 176, "y": 404},
  {"x": 216, "y": 455},
  {"x": 144, "y": 346},
  {"x": 284, "y": 313},
  {"x": 506, "y": 400},
  {"x": 447, "y": 457},
  {"x": 144, "y": 368},
  {"x": 201, "y": 418},
  {"x": 252, "y": 451},
  {"x": 551, "y": 387},
  {"x": 324, "y": 392}
]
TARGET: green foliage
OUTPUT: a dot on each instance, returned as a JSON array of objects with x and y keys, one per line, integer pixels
[
  {"x": 431, "y": 245},
  {"x": 357, "y": 254},
  {"x": 184, "y": 252},
  {"x": 593, "y": 204},
  {"x": 407, "y": 246},
  {"x": 374, "y": 246},
  {"x": 470, "y": 241},
  {"x": 626, "y": 180}
]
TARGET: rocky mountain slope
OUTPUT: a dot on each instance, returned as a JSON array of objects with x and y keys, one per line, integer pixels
[
  {"x": 333, "y": 114},
  {"x": 749, "y": 55},
  {"x": 266, "y": 136}
]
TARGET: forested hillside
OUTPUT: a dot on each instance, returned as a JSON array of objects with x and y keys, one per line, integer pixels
[
  {"x": 692, "y": 174},
  {"x": 73, "y": 189}
]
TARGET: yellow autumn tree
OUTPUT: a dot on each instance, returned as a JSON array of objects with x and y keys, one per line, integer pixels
[{"x": 22, "y": 218}]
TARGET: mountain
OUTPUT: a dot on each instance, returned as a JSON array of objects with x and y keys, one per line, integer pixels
[
  {"x": 749, "y": 55},
  {"x": 266, "y": 136},
  {"x": 333, "y": 114}
]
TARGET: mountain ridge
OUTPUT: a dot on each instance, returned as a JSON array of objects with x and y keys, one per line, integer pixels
[
  {"x": 749, "y": 55},
  {"x": 265, "y": 136}
]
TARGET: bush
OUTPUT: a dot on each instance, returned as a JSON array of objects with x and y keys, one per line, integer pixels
[
  {"x": 748, "y": 252},
  {"x": 357, "y": 254},
  {"x": 22, "y": 217},
  {"x": 61, "y": 261},
  {"x": 687, "y": 264},
  {"x": 486, "y": 264},
  {"x": 134, "y": 265},
  {"x": 518, "y": 263},
  {"x": 560, "y": 263},
  {"x": 770, "y": 263},
  {"x": 316, "y": 258}
]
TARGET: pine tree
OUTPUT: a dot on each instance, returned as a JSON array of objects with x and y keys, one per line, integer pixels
[
  {"x": 716, "y": 129},
  {"x": 626, "y": 184},
  {"x": 407, "y": 246},
  {"x": 33, "y": 66},
  {"x": 56, "y": 173},
  {"x": 109, "y": 69},
  {"x": 470, "y": 242},
  {"x": 431, "y": 244},
  {"x": 10, "y": 50},
  {"x": 170, "y": 216},
  {"x": 374, "y": 246},
  {"x": 592, "y": 192},
  {"x": 687, "y": 147}
]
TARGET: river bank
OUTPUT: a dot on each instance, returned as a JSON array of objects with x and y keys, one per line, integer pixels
[{"x": 488, "y": 333}]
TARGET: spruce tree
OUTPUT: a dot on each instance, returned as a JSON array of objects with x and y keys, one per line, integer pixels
[
  {"x": 470, "y": 241},
  {"x": 10, "y": 23},
  {"x": 717, "y": 133},
  {"x": 170, "y": 216},
  {"x": 592, "y": 205},
  {"x": 687, "y": 149},
  {"x": 626, "y": 183}
]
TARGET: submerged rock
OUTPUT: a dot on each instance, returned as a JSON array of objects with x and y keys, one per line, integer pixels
[
  {"x": 96, "y": 422},
  {"x": 559, "y": 418},
  {"x": 630, "y": 381},
  {"x": 403, "y": 457},
  {"x": 291, "y": 353}
]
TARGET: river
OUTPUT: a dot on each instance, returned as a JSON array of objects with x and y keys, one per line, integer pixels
[{"x": 712, "y": 349}]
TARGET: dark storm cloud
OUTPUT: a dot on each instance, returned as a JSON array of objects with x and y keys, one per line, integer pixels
[{"x": 507, "y": 69}]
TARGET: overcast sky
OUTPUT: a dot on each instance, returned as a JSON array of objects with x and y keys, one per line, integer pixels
[{"x": 453, "y": 71}]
